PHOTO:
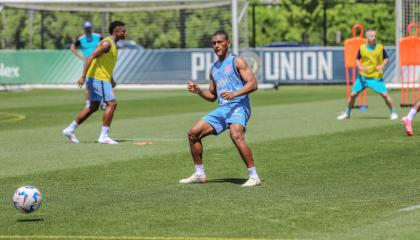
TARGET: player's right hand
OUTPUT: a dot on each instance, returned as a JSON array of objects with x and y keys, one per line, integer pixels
[
  {"x": 192, "y": 87},
  {"x": 81, "y": 82}
]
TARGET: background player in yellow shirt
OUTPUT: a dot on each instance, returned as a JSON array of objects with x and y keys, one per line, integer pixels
[
  {"x": 97, "y": 72},
  {"x": 371, "y": 61}
]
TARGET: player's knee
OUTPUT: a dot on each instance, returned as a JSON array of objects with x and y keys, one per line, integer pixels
[
  {"x": 112, "y": 104},
  {"x": 236, "y": 135},
  {"x": 193, "y": 136}
]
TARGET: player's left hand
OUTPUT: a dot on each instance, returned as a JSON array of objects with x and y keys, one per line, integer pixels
[
  {"x": 228, "y": 95},
  {"x": 81, "y": 82},
  {"x": 380, "y": 68}
]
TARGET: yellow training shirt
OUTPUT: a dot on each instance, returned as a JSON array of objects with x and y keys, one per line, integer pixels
[
  {"x": 102, "y": 66},
  {"x": 371, "y": 58}
]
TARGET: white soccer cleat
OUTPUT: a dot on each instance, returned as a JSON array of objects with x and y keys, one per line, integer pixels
[
  {"x": 195, "y": 178},
  {"x": 252, "y": 181},
  {"x": 343, "y": 116},
  {"x": 107, "y": 140},
  {"x": 70, "y": 135},
  {"x": 394, "y": 116}
]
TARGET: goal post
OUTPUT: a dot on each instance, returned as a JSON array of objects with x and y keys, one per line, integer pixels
[{"x": 406, "y": 12}]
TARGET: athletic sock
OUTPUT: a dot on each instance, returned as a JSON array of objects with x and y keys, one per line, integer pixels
[
  {"x": 348, "y": 111},
  {"x": 104, "y": 132},
  {"x": 252, "y": 172},
  {"x": 393, "y": 110},
  {"x": 73, "y": 125},
  {"x": 199, "y": 169},
  {"x": 87, "y": 104},
  {"x": 411, "y": 114}
]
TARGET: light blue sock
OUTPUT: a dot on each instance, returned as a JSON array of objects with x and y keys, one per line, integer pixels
[
  {"x": 393, "y": 110},
  {"x": 348, "y": 111}
]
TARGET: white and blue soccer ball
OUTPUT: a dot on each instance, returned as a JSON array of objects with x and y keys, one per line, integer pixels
[{"x": 27, "y": 199}]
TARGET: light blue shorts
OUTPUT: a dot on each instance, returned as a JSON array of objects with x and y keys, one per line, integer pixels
[
  {"x": 99, "y": 90},
  {"x": 222, "y": 117},
  {"x": 377, "y": 85}
]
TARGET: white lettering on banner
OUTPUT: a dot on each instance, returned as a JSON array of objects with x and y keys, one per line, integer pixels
[
  {"x": 325, "y": 66},
  {"x": 197, "y": 64},
  {"x": 296, "y": 66},
  {"x": 271, "y": 73},
  {"x": 287, "y": 66},
  {"x": 309, "y": 70},
  {"x": 9, "y": 72},
  {"x": 278, "y": 65},
  {"x": 209, "y": 64},
  {"x": 201, "y": 62}
]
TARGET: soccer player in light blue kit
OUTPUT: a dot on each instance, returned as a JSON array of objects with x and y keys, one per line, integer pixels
[
  {"x": 87, "y": 44},
  {"x": 231, "y": 80}
]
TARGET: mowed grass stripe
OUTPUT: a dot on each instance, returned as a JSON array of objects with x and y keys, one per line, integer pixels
[
  {"x": 267, "y": 122},
  {"x": 49, "y": 106}
]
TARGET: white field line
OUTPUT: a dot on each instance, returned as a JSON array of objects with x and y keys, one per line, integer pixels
[
  {"x": 406, "y": 141},
  {"x": 410, "y": 208}
]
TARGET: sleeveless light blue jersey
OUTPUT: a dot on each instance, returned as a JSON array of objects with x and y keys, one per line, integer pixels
[
  {"x": 227, "y": 79},
  {"x": 88, "y": 43}
]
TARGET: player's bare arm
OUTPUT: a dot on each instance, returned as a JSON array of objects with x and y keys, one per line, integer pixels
[
  {"x": 77, "y": 53},
  {"x": 248, "y": 78},
  {"x": 209, "y": 95},
  {"x": 382, "y": 66},
  {"x": 103, "y": 48},
  {"x": 360, "y": 66}
]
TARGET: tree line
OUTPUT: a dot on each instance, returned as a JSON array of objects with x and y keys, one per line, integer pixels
[{"x": 313, "y": 22}]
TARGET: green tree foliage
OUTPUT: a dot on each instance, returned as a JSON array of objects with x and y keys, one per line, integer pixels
[
  {"x": 284, "y": 20},
  {"x": 302, "y": 21},
  {"x": 379, "y": 17}
]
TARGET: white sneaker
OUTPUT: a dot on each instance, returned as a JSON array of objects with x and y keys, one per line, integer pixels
[
  {"x": 343, "y": 116},
  {"x": 70, "y": 135},
  {"x": 252, "y": 181},
  {"x": 394, "y": 116},
  {"x": 107, "y": 140},
  {"x": 195, "y": 178}
]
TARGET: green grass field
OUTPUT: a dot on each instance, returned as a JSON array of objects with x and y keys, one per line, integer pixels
[{"x": 322, "y": 178}]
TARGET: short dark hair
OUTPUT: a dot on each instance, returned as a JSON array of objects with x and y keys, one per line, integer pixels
[
  {"x": 115, "y": 24},
  {"x": 221, "y": 32}
]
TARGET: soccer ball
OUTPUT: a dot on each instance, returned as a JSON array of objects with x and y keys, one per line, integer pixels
[{"x": 27, "y": 199}]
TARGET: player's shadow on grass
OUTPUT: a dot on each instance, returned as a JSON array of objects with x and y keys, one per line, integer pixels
[
  {"x": 228, "y": 180},
  {"x": 31, "y": 220}
]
